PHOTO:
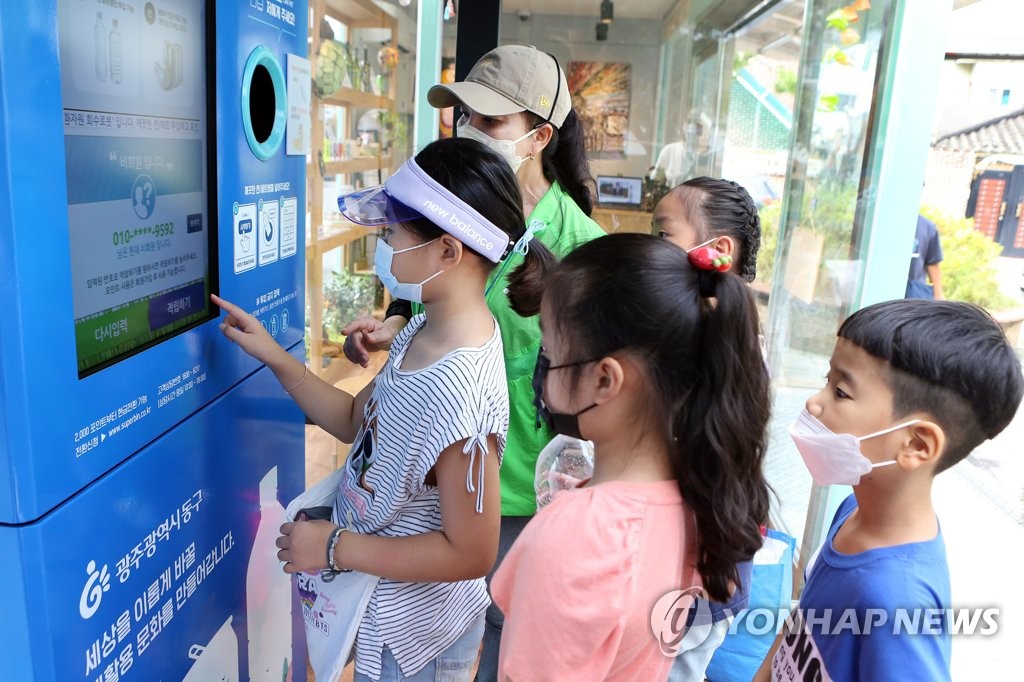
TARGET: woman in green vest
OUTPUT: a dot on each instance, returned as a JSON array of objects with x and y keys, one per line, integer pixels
[{"x": 516, "y": 101}]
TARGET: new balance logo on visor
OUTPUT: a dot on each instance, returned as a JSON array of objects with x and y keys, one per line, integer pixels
[
  {"x": 410, "y": 193},
  {"x": 464, "y": 227}
]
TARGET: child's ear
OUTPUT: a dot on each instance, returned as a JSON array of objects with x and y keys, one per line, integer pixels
[
  {"x": 923, "y": 447},
  {"x": 451, "y": 251},
  {"x": 726, "y": 245},
  {"x": 609, "y": 378}
]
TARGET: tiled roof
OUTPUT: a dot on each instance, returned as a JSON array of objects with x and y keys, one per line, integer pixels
[{"x": 1003, "y": 135}]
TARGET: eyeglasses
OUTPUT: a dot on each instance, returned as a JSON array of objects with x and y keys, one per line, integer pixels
[{"x": 544, "y": 366}]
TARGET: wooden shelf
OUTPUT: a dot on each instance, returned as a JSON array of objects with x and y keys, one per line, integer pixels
[
  {"x": 326, "y": 236},
  {"x": 335, "y": 234},
  {"x": 623, "y": 220},
  {"x": 359, "y": 165},
  {"x": 350, "y": 97}
]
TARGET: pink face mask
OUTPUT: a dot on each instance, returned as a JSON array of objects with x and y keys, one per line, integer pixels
[{"x": 834, "y": 458}]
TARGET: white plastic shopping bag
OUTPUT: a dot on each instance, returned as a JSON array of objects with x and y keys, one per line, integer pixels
[
  {"x": 563, "y": 464},
  {"x": 333, "y": 604}
]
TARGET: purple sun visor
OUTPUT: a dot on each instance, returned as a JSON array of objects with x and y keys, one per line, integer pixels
[{"x": 409, "y": 194}]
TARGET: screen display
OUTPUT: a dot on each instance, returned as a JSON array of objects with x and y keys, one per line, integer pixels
[
  {"x": 618, "y": 190},
  {"x": 136, "y": 144}
]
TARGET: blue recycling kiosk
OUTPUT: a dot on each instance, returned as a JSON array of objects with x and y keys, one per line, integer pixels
[{"x": 151, "y": 152}]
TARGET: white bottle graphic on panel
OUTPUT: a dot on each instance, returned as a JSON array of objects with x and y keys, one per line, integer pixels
[
  {"x": 116, "y": 74},
  {"x": 218, "y": 660},
  {"x": 99, "y": 39},
  {"x": 268, "y": 593}
]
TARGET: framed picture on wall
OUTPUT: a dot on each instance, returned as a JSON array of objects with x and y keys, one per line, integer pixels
[{"x": 600, "y": 94}]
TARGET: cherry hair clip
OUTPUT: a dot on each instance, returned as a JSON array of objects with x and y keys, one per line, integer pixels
[{"x": 708, "y": 258}]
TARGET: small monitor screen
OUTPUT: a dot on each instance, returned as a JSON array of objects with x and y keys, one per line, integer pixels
[
  {"x": 136, "y": 145},
  {"x": 619, "y": 191}
]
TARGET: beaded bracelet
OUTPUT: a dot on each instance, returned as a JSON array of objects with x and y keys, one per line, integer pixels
[{"x": 332, "y": 544}]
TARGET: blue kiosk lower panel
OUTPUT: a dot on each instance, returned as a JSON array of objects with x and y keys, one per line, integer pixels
[{"x": 165, "y": 568}]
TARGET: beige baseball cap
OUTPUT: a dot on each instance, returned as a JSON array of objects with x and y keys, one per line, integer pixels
[{"x": 507, "y": 80}]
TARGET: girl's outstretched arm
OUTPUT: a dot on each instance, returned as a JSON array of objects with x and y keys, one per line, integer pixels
[
  {"x": 330, "y": 408},
  {"x": 464, "y": 549}
]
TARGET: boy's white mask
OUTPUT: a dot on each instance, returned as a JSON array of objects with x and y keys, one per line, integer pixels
[{"x": 834, "y": 458}]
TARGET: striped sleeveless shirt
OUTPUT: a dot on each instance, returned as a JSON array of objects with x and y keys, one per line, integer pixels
[{"x": 409, "y": 419}]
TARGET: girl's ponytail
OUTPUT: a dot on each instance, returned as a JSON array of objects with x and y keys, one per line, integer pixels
[
  {"x": 696, "y": 334},
  {"x": 526, "y": 283},
  {"x": 720, "y": 432}
]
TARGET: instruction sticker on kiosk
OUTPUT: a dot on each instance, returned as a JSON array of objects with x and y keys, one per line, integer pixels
[{"x": 245, "y": 237}]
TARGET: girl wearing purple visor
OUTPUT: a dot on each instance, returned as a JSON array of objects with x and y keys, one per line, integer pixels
[
  {"x": 516, "y": 101},
  {"x": 419, "y": 503}
]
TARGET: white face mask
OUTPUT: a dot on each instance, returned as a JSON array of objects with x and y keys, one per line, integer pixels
[
  {"x": 505, "y": 148},
  {"x": 382, "y": 260},
  {"x": 834, "y": 458}
]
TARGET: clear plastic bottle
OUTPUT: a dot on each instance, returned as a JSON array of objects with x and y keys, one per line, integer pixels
[
  {"x": 99, "y": 38},
  {"x": 268, "y": 593},
  {"x": 116, "y": 74}
]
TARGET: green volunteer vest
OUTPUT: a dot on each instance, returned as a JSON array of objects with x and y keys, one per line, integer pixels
[{"x": 566, "y": 227}]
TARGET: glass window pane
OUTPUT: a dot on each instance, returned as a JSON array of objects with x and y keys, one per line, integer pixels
[{"x": 818, "y": 228}]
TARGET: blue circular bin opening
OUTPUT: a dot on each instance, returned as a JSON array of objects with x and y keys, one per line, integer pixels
[{"x": 263, "y": 103}]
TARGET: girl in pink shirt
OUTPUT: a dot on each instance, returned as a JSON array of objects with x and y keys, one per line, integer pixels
[{"x": 654, "y": 356}]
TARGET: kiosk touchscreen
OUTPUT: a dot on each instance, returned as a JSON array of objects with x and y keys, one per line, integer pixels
[{"x": 137, "y": 136}]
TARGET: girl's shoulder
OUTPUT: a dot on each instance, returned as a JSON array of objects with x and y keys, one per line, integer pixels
[
  {"x": 462, "y": 375},
  {"x": 612, "y": 514},
  {"x": 461, "y": 354},
  {"x": 403, "y": 337}
]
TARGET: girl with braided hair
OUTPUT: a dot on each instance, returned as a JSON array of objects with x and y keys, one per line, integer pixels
[
  {"x": 720, "y": 214},
  {"x": 712, "y": 212}
]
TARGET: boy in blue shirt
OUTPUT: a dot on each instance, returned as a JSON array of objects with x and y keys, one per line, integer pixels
[{"x": 913, "y": 387}]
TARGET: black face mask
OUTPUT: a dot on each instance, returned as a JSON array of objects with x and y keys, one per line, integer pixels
[{"x": 565, "y": 424}]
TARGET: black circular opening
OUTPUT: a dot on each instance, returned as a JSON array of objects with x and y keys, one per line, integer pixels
[{"x": 262, "y": 103}]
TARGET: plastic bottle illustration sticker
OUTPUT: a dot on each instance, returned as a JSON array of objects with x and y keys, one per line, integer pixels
[
  {"x": 99, "y": 39},
  {"x": 116, "y": 74},
  {"x": 218, "y": 660},
  {"x": 169, "y": 72},
  {"x": 268, "y": 593}
]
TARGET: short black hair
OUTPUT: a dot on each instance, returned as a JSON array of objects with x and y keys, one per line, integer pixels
[{"x": 948, "y": 359}]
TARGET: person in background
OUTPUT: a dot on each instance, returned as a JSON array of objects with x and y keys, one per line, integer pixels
[
  {"x": 925, "y": 263},
  {"x": 516, "y": 101},
  {"x": 674, "y": 164}
]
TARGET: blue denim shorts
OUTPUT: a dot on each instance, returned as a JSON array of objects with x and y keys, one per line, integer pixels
[{"x": 454, "y": 664}]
